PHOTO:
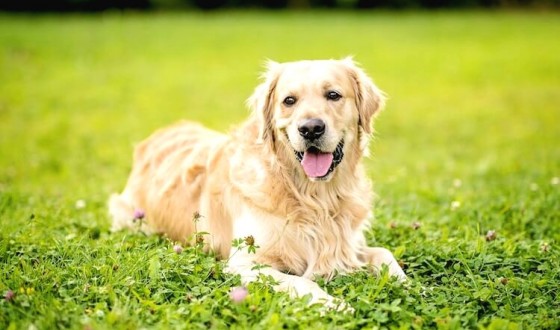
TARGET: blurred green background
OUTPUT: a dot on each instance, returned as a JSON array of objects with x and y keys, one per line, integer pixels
[{"x": 472, "y": 96}]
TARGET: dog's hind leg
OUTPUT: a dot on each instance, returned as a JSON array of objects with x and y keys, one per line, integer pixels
[
  {"x": 124, "y": 214},
  {"x": 121, "y": 210}
]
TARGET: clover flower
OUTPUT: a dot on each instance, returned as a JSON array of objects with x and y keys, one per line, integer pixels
[
  {"x": 238, "y": 294},
  {"x": 178, "y": 248},
  {"x": 545, "y": 247},
  {"x": 9, "y": 295},
  {"x": 138, "y": 214},
  {"x": 491, "y": 235}
]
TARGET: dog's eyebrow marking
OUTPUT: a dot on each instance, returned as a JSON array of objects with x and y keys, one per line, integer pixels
[
  {"x": 291, "y": 92},
  {"x": 328, "y": 86}
]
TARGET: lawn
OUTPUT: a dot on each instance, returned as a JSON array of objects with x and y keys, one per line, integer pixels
[{"x": 466, "y": 165}]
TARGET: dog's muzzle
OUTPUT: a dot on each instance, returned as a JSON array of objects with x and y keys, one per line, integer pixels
[{"x": 318, "y": 164}]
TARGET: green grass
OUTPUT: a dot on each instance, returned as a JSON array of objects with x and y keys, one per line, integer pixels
[{"x": 472, "y": 122}]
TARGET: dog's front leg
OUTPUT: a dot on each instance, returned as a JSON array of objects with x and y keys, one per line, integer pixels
[
  {"x": 266, "y": 232},
  {"x": 243, "y": 263},
  {"x": 377, "y": 257}
]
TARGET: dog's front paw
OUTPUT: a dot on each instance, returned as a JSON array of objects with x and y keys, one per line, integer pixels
[
  {"x": 340, "y": 306},
  {"x": 332, "y": 303},
  {"x": 396, "y": 271}
]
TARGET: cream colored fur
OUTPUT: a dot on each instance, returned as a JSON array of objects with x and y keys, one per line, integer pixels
[{"x": 249, "y": 183}]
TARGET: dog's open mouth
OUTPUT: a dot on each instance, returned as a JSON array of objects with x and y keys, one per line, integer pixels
[{"x": 317, "y": 164}]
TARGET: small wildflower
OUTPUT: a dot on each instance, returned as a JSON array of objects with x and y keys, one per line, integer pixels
[
  {"x": 138, "y": 214},
  {"x": 199, "y": 239},
  {"x": 238, "y": 294},
  {"x": 491, "y": 235},
  {"x": 555, "y": 181},
  {"x": 416, "y": 225},
  {"x": 455, "y": 205},
  {"x": 9, "y": 295},
  {"x": 28, "y": 291},
  {"x": 250, "y": 240},
  {"x": 504, "y": 280},
  {"x": 545, "y": 247},
  {"x": 196, "y": 216},
  {"x": 80, "y": 204},
  {"x": 457, "y": 183},
  {"x": 177, "y": 248}
]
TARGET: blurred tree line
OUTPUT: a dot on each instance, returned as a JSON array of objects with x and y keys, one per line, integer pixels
[{"x": 100, "y": 5}]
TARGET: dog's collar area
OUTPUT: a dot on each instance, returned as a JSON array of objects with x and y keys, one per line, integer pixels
[{"x": 337, "y": 154}]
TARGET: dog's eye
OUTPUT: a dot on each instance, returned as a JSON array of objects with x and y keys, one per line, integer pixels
[
  {"x": 333, "y": 96},
  {"x": 289, "y": 101}
]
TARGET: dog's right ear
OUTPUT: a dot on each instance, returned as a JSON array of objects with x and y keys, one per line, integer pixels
[{"x": 261, "y": 103}]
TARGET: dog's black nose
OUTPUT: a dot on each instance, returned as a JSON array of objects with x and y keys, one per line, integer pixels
[{"x": 311, "y": 129}]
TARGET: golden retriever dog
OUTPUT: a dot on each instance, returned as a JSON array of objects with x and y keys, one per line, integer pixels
[{"x": 288, "y": 181}]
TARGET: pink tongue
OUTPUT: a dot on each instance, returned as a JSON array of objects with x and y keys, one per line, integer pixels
[{"x": 316, "y": 165}]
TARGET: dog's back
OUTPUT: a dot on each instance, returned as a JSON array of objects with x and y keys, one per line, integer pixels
[{"x": 170, "y": 168}]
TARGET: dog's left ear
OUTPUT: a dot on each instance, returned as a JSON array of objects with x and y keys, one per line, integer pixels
[
  {"x": 369, "y": 98},
  {"x": 261, "y": 103}
]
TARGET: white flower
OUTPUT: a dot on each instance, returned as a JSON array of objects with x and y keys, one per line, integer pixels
[
  {"x": 457, "y": 183},
  {"x": 455, "y": 205},
  {"x": 80, "y": 204},
  {"x": 545, "y": 247}
]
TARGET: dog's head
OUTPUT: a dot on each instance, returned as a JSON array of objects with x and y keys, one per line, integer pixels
[{"x": 316, "y": 111}]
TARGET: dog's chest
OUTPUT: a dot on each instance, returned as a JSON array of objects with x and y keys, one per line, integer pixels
[{"x": 320, "y": 249}]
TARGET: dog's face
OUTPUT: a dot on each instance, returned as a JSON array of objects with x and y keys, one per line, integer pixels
[{"x": 318, "y": 111}]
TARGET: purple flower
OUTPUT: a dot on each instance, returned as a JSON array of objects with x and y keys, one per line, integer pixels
[
  {"x": 9, "y": 296},
  {"x": 139, "y": 214},
  {"x": 238, "y": 294},
  {"x": 177, "y": 248}
]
